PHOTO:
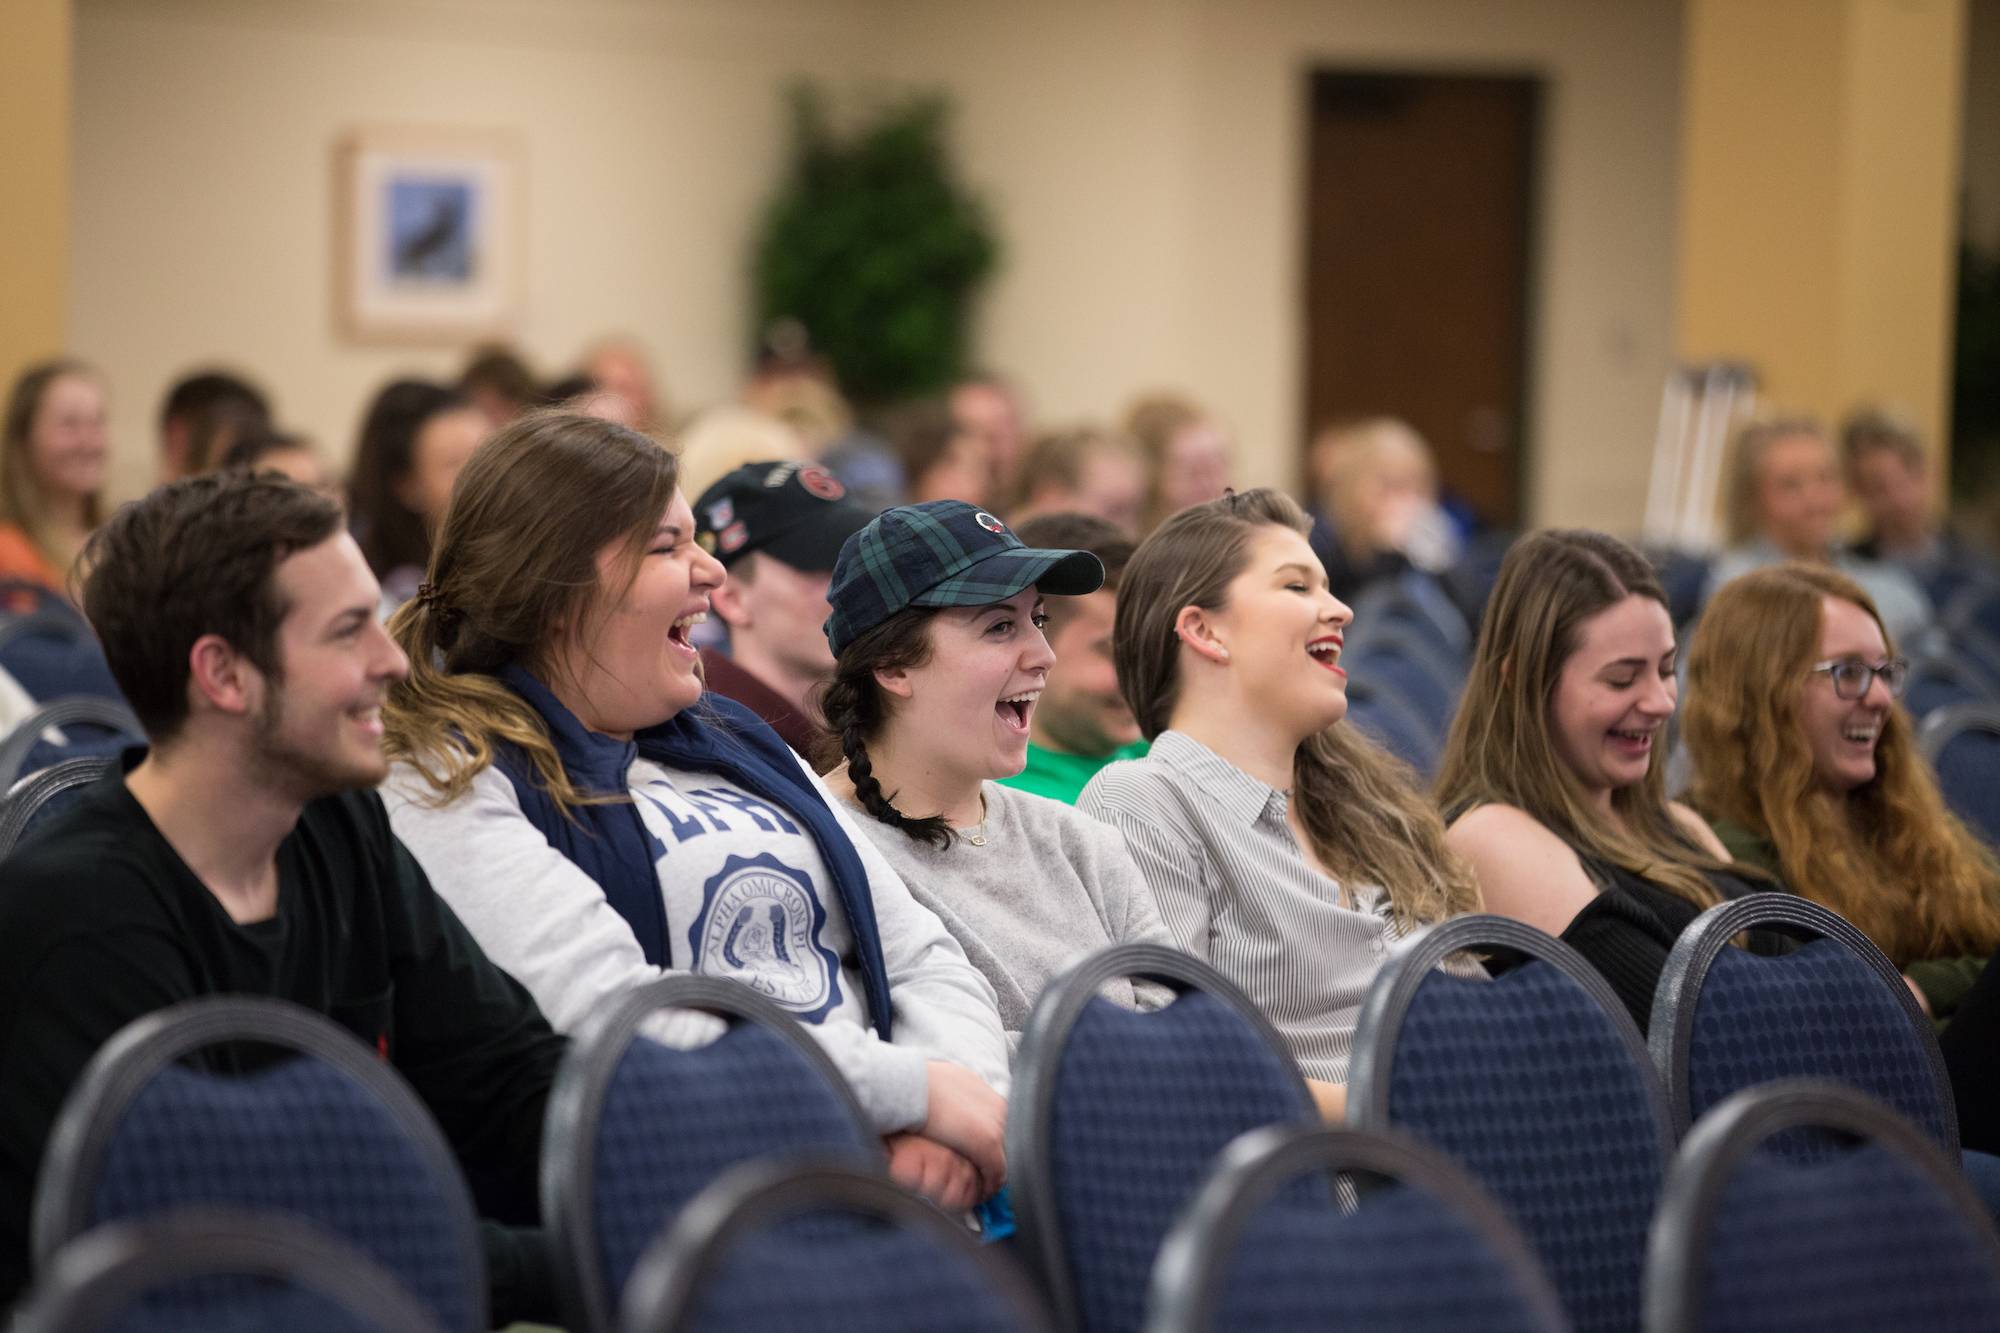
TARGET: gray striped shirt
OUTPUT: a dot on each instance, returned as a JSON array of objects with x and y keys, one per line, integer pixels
[{"x": 1236, "y": 891}]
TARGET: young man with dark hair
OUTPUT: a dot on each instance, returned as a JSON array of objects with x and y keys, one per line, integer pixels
[
  {"x": 244, "y": 853},
  {"x": 197, "y": 402},
  {"x": 1081, "y": 723},
  {"x": 777, "y": 528}
]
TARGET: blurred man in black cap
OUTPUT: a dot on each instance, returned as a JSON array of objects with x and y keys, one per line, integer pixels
[{"x": 777, "y": 528}]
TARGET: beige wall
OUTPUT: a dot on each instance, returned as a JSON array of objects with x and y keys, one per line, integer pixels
[
  {"x": 34, "y": 179},
  {"x": 1819, "y": 198},
  {"x": 1144, "y": 157},
  {"x": 204, "y": 130},
  {"x": 1147, "y": 157}
]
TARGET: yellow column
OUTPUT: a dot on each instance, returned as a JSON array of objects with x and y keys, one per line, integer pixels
[
  {"x": 34, "y": 180},
  {"x": 1819, "y": 196}
]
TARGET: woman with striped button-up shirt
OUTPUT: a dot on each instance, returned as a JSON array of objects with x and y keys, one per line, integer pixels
[{"x": 1286, "y": 849}]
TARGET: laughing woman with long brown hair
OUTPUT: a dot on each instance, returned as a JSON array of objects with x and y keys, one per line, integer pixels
[
  {"x": 1805, "y": 765},
  {"x": 1285, "y": 848},
  {"x": 1554, "y": 772}
]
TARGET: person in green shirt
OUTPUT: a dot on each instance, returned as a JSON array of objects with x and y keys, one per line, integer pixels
[{"x": 1082, "y": 722}]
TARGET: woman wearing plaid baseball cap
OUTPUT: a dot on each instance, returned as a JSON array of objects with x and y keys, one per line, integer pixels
[{"x": 939, "y": 661}]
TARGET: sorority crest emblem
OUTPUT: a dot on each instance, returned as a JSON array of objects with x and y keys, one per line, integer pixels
[
  {"x": 987, "y": 521},
  {"x": 760, "y": 924}
]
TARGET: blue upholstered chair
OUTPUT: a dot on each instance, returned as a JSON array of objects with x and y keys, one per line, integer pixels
[
  {"x": 1117, "y": 1116},
  {"x": 1962, "y": 742},
  {"x": 50, "y": 651},
  {"x": 330, "y": 1134},
  {"x": 216, "y": 1271},
  {"x": 1412, "y": 1245},
  {"x": 636, "y": 1128},
  {"x": 1397, "y": 660},
  {"x": 1834, "y": 1008},
  {"x": 1538, "y": 1084},
  {"x": 89, "y": 726},
  {"x": 812, "y": 1243},
  {"x": 1393, "y": 723},
  {"x": 1872, "y": 1230},
  {"x": 41, "y": 795}
]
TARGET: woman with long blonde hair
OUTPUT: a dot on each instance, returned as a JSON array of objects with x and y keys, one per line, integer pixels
[
  {"x": 1283, "y": 847},
  {"x": 1554, "y": 771},
  {"x": 1805, "y": 764}
]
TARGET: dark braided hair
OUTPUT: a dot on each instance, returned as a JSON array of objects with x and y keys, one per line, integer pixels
[{"x": 855, "y": 711}]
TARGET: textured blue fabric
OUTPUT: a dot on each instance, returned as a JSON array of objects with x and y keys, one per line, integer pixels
[
  {"x": 1861, "y": 1240},
  {"x": 1142, "y": 1103},
  {"x": 81, "y": 740},
  {"x": 1393, "y": 723},
  {"x": 235, "y": 1304},
  {"x": 1403, "y": 1262},
  {"x": 1817, "y": 1012},
  {"x": 52, "y": 805},
  {"x": 1968, "y": 770},
  {"x": 1527, "y": 1083},
  {"x": 1405, "y": 668},
  {"x": 299, "y": 1138},
  {"x": 675, "y": 1119},
  {"x": 53, "y": 665},
  {"x": 838, "y": 1273}
]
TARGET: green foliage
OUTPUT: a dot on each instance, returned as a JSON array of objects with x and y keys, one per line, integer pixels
[{"x": 875, "y": 248}]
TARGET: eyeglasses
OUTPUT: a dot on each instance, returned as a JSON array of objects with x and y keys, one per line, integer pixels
[{"x": 1851, "y": 679}]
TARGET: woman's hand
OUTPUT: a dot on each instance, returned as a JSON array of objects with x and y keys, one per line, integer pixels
[{"x": 944, "y": 1177}]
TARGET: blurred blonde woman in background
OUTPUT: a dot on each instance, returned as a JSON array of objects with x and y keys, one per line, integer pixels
[{"x": 54, "y": 449}]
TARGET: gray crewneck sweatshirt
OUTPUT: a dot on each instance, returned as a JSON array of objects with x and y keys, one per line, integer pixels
[{"x": 1049, "y": 887}]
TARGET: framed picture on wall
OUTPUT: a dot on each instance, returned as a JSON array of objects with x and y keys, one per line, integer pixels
[{"x": 427, "y": 234}]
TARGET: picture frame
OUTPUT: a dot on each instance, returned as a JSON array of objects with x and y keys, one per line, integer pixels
[{"x": 427, "y": 234}]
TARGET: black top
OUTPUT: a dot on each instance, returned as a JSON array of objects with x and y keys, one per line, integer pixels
[
  {"x": 1628, "y": 929},
  {"x": 101, "y": 922}
]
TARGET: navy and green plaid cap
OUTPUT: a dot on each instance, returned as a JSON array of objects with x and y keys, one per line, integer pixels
[{"x": 942, "y": 553}]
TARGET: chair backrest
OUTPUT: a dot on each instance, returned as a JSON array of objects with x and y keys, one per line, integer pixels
[
  {"x": 1939, "y": 680},
  {"x": 40, "y": 795},
  {"x": 1962, "y": 742},
  {"x": 198, "y": 1270},
  {"x": 1397, "y": 660},
  {"x": 1394, "y": 723},
  {"x": 1268, "y": 1243},
  {"x": 51, "y": 653},
  {"x": 1415, "y": 601},
  {"x": 1537, "y": 1082},
  {"x": 797, "y": 1243},
  {"x": 331, "y": 1134},
  {"x": 637, "y": 1128},
  {"x": 91, "y": 726},
  {"x": 1878, "y": 1230},
  {"x": 1117, "y": 1116},
  {"x": 1834, "y": 1008}
]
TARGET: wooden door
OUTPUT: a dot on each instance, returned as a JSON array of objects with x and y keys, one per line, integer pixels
[{"x": 1417, "y": 260}]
